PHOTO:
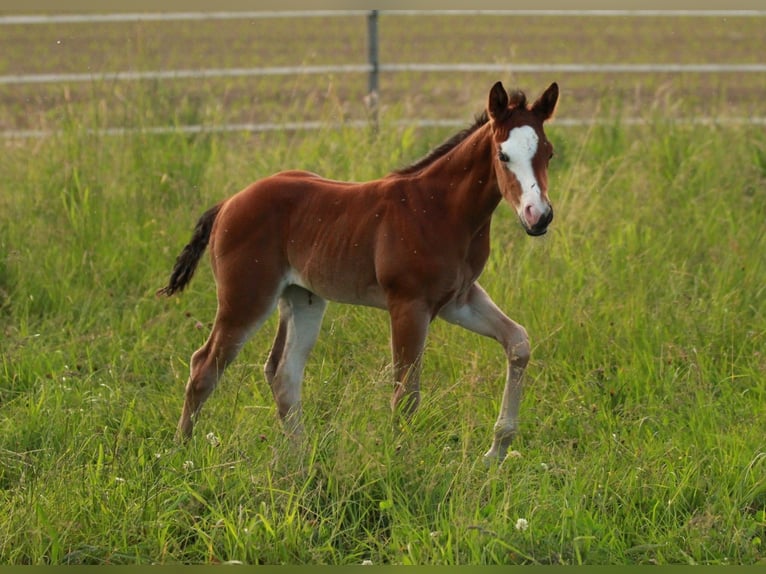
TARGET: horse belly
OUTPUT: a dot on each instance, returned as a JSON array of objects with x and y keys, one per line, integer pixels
[{"x": 340, "y": 285}]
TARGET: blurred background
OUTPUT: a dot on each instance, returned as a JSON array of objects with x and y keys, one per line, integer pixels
[{"x": 258, "y": 71}]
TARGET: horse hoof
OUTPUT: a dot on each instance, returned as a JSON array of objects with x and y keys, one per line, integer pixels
[{"x": 493, "y": 456}]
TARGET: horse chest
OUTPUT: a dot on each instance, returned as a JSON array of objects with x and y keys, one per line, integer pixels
[{"x": 471, "y": 268}]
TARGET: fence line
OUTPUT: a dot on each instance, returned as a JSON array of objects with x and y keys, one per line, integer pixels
[
  {"x": 373, "y": 67},
  {"x": 592, "y": 12},
  {"x": 182, "y": 74},
  {"x": 29, "y": 19},
  {"x": 357, "y": 124},
  {"x": 15, "y": 79},
  {"x": 576, "y": 68}
]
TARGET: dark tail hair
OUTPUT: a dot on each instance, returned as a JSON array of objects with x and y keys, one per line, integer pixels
[{"x": 186, "y": 262}]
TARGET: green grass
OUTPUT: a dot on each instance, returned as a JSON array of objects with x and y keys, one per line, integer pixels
[{"x": 642, "y": 432}]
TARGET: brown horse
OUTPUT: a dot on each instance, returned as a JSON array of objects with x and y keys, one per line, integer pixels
[{"x": 413, "y": 243}]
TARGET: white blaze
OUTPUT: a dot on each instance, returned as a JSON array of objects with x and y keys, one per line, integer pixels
[{"x": 520, "y": 148}]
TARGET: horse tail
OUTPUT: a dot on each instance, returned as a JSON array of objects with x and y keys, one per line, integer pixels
[{"x": 186, "y": 262}]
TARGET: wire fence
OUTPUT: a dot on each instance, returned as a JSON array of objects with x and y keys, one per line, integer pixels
[
  {"x": 380, "y": 67},
  {"x": 260, "y": 14},
  {"x": 320, "y": 125},
  {"x": 373, "y": 67}
]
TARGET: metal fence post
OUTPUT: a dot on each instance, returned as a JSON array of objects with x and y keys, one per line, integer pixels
[{"x": 372, "y": 55}]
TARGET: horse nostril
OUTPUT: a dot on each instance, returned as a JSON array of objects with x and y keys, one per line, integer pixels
[
  {"x": 547, "y": 217},
  {"x": 529, "y": 215},
  {"x": 541, "y": 225},
  {"x": 537, "y": 218}
]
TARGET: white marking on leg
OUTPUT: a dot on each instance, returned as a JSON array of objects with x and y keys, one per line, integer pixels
[{"x": 303, "y": 312}]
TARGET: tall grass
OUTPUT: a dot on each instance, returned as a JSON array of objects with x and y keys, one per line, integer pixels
[{"x": 642, "y": 433}]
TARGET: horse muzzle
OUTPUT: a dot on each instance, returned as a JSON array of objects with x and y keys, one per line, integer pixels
[{"x": 540, "y": 226}]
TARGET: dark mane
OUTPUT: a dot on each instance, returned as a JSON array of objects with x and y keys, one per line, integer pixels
[{"x": 444, "y": 148}]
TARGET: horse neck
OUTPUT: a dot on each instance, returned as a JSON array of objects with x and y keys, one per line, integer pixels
[{"x": 465, "y": 178}]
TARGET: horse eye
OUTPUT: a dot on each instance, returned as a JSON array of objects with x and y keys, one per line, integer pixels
[{"x": 502, "y": 156}]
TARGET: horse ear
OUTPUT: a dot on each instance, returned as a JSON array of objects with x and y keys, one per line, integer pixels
[
  {"x": 497, "y": 104},
  {"x": 545, "y": 106}
]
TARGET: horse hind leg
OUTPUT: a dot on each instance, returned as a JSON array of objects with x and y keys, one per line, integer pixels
[
  {"x": 300, "y": 319},
  {"x": 207, "y": 365},
  {"x": 236, "y": 320}
]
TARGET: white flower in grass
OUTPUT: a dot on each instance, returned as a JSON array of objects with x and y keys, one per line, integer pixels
[
  {"x": 366, "y": 562},
  {"x": 119, "y": 480},
  {"x": 188, "y": 464},
  {"x": 212, "y": 439},
  {"x": 522, "y": 524}
]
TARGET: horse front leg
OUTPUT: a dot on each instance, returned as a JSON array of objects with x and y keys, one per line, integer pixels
[
  {"x": 507, "y": 423},
  {"x": 409, "y": 328},
  {"x": 478, "y": 313}
]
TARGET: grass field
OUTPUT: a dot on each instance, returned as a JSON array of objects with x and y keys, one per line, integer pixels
[{"x": 642, "y": 431}]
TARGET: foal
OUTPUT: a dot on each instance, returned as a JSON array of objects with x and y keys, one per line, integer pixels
[{"x": 413, "y": 243}]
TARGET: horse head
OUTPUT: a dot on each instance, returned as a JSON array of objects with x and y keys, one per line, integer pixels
[{"x": 522, "y": 152}]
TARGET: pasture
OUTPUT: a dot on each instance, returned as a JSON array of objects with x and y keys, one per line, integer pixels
[{"x": 642, "y": 423}]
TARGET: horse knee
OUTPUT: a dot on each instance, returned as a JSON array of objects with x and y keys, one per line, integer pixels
[
  {"x": 517, "y": 346},
  {"x": 203, "y": 376},
  {"x": 198, "y": 359}
]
